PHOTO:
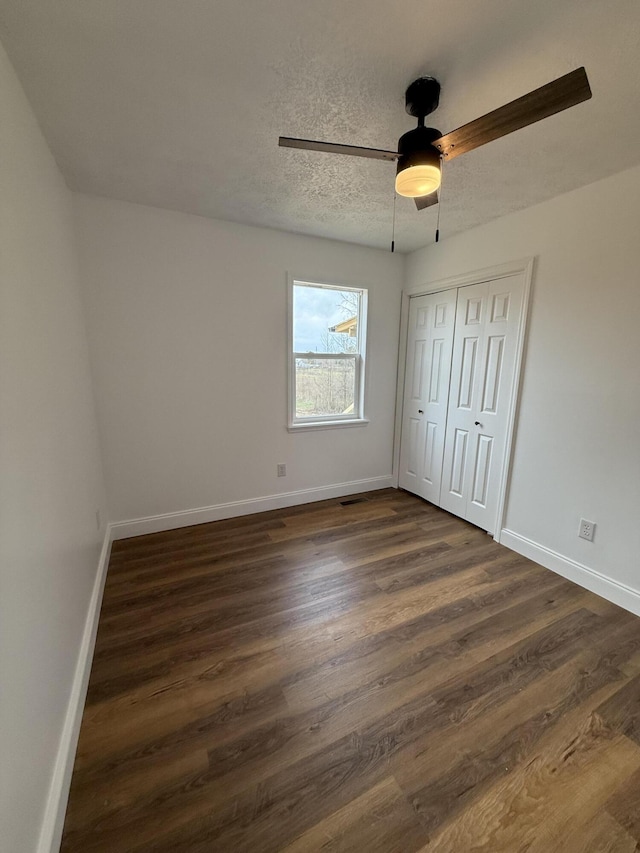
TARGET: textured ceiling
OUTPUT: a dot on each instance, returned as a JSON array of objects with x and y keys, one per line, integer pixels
[{"x": 180, "y": 104}]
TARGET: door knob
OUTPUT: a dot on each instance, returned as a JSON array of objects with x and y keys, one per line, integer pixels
[
  {"x": 420, "y": 412},
  {"x": 478, "y": 423}
]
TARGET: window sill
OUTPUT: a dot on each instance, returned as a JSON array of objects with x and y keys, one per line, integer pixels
[{"x": 313, "y": 425}]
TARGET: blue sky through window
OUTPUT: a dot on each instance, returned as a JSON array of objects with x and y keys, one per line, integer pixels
[{"x": 315, "y": 310}]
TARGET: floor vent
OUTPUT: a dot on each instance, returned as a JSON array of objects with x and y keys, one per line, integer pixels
[{"x": 353, "y": 501}]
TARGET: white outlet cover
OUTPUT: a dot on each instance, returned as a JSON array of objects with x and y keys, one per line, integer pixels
[{"x": 587, "y": 529}]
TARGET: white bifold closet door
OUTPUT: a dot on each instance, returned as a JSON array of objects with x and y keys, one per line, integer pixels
[
  {"x": 459, "y": 388},
  {"x": 429, "y": 348}
]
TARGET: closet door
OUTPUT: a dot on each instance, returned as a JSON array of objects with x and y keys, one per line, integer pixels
[
  {"x": 429, "y": 348},
  {"x": 487, "y": 323}
]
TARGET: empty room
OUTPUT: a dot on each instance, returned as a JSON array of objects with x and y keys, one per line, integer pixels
[{"x": 319, "y": 426}]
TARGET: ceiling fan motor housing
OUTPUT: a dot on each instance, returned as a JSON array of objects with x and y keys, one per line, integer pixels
[
  {"x": 422, "y": 97},
  {"x": 415, "y": 148}
]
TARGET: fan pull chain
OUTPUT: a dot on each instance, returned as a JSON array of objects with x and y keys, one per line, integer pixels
[
  {"x": 440, "y": 198},
  {"x": 393, "y": 227}
]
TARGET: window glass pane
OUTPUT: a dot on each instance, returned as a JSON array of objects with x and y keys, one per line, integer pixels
[
  {"x": 325, "y": 320},
  {"x": 325, "y": 386}
]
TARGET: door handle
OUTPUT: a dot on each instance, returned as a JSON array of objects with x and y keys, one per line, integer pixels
[
  {"x": 478, "y": 423},
  {"x": 420, "y": 412}
]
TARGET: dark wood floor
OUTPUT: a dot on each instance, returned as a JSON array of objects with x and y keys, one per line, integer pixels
[{"x": 375, "y": 676}]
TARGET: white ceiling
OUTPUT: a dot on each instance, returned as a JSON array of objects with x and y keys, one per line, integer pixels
[{"x": 179, "y": 103}]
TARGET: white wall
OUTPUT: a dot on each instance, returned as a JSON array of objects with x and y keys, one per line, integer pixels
[
  {"x": 577, "y": 451},
  {"x": 187, "y": 325},
  {"x": 50, "y": 475}
]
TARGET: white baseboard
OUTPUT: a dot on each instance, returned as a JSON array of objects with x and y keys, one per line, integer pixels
[
  {"x": 54, "y": 814},
  {"x": 613, "y": 591},
  {"x": 203, "y": 515}
]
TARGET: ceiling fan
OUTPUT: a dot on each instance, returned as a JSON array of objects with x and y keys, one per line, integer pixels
[{"x": 421, "y": 150}]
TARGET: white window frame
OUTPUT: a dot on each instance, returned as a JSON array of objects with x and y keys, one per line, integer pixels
[{"x": 328, "y": 421}]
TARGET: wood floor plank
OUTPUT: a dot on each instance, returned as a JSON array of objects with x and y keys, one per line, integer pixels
[
  {"x": 360, "y": 608},
  {"x": 297, "y": 660},
  {"x": 624, "y": 807},
  {"x": 441, "y": 786},
  {"x": 380, "y": 821},
  {"x": 346, "y": 676},
  {"x": 536, "y": 805},
  {"x": 622, "y": 711},
  {"x": 441, "y": 775},
  {"x": 359, "y": 701},
  {"x": 357, "y": 761},
  {"x": 599, "y": 834},
  {"x": 434, "y": 649}
]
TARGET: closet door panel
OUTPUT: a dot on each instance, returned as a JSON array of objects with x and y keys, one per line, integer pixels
[
  {"x": 482, "y": 379},
  {"x": 496, "y": 379},
  {"x": 428, "y": 364},
  {"x": 467, "y": 359}
]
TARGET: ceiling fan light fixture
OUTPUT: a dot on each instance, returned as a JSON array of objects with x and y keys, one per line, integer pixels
[
  {"x": 418, "y": 172},
  {"x": 416, "y": 181}
]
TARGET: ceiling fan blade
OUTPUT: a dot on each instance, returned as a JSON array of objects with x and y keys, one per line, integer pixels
[
  {"x": 334, "y": 148},
  {"x": 552, "y": 98},
  {"x": 426, "y": 200}
]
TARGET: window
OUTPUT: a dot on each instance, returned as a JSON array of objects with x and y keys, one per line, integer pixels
[{"x": 327, "y": 333}]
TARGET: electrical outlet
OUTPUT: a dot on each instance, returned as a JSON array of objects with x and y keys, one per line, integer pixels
[
  {"x": 587, "y": 529},
  {"x": 282, "y": 470},
  {"x": 98, "y": 519}
]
